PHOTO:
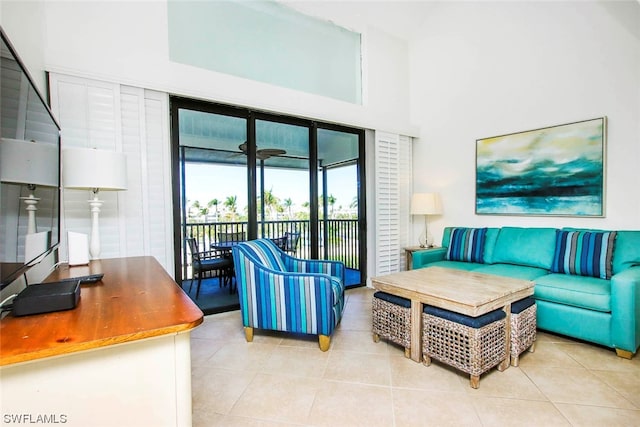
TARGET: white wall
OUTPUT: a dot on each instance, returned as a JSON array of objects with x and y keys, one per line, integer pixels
[
  {"x": 23, "y": 22},
  {"x": 127, "y": 42},
  {"x": 491, "y": 68}
]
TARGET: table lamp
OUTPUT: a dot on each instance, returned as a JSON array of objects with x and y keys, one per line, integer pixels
[
  {"x": 32, "y": 164},
  {"x": 425, "y": 204},
  {"x": 95, "y": 170}
]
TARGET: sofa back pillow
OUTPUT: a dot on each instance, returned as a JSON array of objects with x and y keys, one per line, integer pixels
[
  {"x": 466, "y": 244},
  {"x": 490, "y": 241},
  {"x": 627, "y": 251},
  {"x": 584, "y": 253},
  {"x": 533, "y": 247}
]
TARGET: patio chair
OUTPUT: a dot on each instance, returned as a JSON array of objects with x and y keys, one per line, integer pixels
[
  {"x": 236, "y": 236},
  {"x": 280, "y": 242},
  {"x": 291, "y": 242},
  {"x": 207, "y": 261},
  {"x": 283, "y": 293}
]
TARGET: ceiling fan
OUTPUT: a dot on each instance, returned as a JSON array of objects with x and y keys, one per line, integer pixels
[{"x": 264, "y": 153}]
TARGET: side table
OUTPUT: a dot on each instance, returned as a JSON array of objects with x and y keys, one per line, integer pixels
[{"x": 409, "y": 250}]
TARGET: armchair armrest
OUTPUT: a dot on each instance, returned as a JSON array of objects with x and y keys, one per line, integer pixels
[
  {"x": 625, "y": 309},
  {"x": 423, "y": 258},
  {"x": 299, "y": 265}
]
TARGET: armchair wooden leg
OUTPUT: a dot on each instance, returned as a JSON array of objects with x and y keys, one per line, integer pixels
[
  {"x": 248, "y": 333},
  {"x": 324, "y": 341},
  {"x": 624, "y": 353}
]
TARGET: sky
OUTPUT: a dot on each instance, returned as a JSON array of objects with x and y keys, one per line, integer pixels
[{"x": 207, "y": 182}]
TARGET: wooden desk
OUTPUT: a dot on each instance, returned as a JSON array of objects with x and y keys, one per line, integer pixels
[{"x": 128, "y": 340}]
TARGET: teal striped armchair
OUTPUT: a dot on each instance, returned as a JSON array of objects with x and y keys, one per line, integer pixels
[{"x": 283, "y": 293}]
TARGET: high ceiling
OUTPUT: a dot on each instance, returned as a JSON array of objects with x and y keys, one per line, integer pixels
[
  {"x": 401, "y": 18},
  {"x": 397, "y": 18}
]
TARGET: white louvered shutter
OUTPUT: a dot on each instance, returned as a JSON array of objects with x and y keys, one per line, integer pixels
[
  {"x": 114, "y": 117},
  {"x": 393, "y": 182},
  {"x": 405, "y": 177}
]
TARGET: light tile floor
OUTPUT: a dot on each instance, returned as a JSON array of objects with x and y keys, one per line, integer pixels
[{"x": 285, "y": 380}]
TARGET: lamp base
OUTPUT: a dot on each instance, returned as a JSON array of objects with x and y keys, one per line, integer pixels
[{"x": 94, "y": 246}]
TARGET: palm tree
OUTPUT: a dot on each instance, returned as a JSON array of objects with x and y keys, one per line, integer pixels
[
  {"x": 354, "y": 203},
  {"x": 197, "y": 206},
  {"x": 354, "y": 207},
  {"x": 214, "y": 203},
  {"x": 304, "y": 214},
  {"x": 332, "y": 201},
  {"x": 287, "y": 203},
  {"x": 270, "y": 201},
  {"x": 231, "y": 204}
]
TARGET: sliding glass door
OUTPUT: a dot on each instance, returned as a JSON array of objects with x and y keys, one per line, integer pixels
[
  {"x": 282, "y": 184},
  {"x": 339, "y": 226},
  {"x": 249, "y": 174}
]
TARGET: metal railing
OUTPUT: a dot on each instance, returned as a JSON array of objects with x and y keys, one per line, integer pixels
[{"x": 342, "y": 237}]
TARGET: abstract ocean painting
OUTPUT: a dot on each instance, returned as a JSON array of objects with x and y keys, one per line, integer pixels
[{"x": 556, "y": 170}]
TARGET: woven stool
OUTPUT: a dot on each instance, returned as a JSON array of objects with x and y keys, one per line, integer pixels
[
  {"x": 471, "y": 344},
  {"x": 523, "y": 328},
  {"x": 392, "y": 320}
]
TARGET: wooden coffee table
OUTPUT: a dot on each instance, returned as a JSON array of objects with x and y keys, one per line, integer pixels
[{"x": 465, "y": 292}]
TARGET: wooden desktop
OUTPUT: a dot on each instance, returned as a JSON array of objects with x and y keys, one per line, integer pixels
[{"x": 121, "y": 356}]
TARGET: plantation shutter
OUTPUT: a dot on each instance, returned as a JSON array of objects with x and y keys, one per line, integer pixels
[
  {"x": 393, "y": 186},
  {"x": 110, "y": 116}
]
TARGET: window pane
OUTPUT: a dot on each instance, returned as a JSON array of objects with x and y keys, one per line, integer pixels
[
  {"x": 267, "y": 42},
  {"x": 283, "y": 184}
]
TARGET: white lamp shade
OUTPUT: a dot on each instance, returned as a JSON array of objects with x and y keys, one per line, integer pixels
[
  {"x": 28, "y": 162},
  {"x": 88, "y": 168},
  {"x": 426, "y": 204}
]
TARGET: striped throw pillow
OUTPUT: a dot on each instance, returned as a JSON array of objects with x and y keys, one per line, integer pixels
[
  {"x": 584, "y": 253},
  {"x": 467, "y": 244}
]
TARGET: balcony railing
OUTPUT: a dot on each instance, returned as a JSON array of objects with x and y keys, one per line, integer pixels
[{"x": 342, "y": 237}]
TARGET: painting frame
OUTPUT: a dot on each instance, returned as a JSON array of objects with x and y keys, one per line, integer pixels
[{"x": 551, "y": 171}]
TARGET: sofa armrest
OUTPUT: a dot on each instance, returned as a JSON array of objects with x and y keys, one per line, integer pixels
[
  {"x": 423, "y": 258},
  {"x": 625, "y": 309}
]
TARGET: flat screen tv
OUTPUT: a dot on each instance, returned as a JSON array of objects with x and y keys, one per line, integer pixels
[{"x": 29, "y": 170}]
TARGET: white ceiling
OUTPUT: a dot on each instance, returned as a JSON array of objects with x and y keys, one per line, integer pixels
[
  {"x": 401, "y": 18},
  {"x": 395, "y": 17}
]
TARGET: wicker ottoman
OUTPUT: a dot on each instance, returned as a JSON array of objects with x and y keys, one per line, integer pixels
[
  {"x": 523, "y": 328},
  {"x": 471, "y": 344},
  {"x": 392, "y": 320}
]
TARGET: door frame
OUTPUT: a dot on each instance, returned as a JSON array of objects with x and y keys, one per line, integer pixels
[{"x": 251, "y": 115}]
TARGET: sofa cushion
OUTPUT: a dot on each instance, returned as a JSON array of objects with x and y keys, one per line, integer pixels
[
  {"x": 489, "y": 246},
  {"x": 533, "y": 247},
  {"x": 579, "y": 291},
  {"x": 515, "y": 271},
  {"x": 585, "y": 253},
  {"x": 466, "y": 244},
  {"x": 627, "y": 251},
  {"x": 458, "y": 265},
  {"x": 393, "y": 299},
  {"x": 521, "y": 305},
  {"x": 472, "y": 322}
]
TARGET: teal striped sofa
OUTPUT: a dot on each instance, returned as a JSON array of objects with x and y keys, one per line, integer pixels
[{"x": 284, "y": 293}]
